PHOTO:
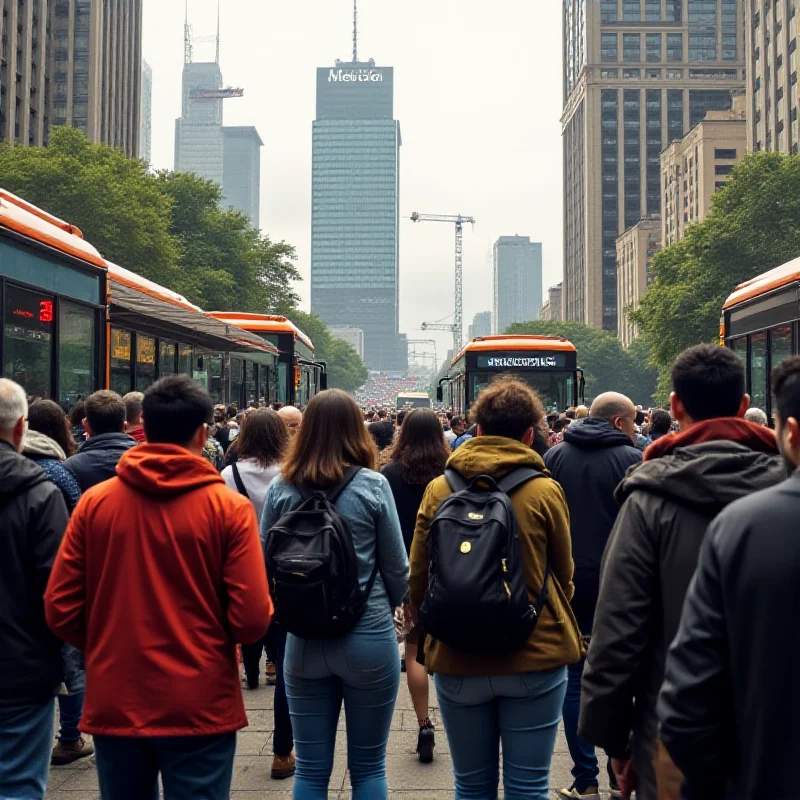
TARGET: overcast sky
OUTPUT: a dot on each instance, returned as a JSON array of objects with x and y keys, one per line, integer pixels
[{"x": 477, "y": 94}]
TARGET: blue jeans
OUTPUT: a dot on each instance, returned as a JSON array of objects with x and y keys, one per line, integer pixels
[
  {"x": 26, "y": 740},
  {"x": 191, "y": 767},
  {"x": 70, "y": 710},
  {"x": 585, "y": 770},
  {"x": 522, "y": 710},
  {"x": 363, "y": 669}
]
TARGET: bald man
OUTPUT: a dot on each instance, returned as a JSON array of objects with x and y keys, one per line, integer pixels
[
  {"x": 292, "y": 417},
  {"x": 589, "y": 464}
]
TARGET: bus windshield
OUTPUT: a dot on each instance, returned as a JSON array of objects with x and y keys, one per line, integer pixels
[
  {"x": 556, "y": 389},
  {"x": 413, "y": 400}
]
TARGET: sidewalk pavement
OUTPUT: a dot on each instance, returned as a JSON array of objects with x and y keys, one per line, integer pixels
[{"x": 408, "y": 779}]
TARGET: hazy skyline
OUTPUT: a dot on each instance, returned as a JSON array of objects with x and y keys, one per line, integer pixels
[{"x": 478, "y": 94}]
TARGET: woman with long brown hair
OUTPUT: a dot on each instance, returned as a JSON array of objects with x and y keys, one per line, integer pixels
[
  {"x": 419, "y": 456},
  {"x": 361, "y": 668}
]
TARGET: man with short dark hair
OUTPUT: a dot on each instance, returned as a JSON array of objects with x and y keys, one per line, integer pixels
[
  {"x": 660, "y": 424},
  {"x": 160, "y": 575},
  {"x": 133, "y": 416},
  {"x": 34, "y": 517},
  {"x": 686, "y": 479},
  {"x": 458, "y": 425},
  {"x": 589, "y": 464},
  {"x": 727, "y": 709},
  {"x": 106, "y": 440}
]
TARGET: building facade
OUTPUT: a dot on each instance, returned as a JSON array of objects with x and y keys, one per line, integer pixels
[
  {"x": 355, "y": 208},
  {"x": 551, "y": 309},
  {"x": 772, "y": 94},
  {"x": 352, "y": 336},
  {"x": 241, "y": 170},
  {"x": 71, "y": 62},
  {"x": 481, "y": 325},
  {"x": 146, "y": 130},
  {"x": 637, "y": 75},
  {"x": 693, "y": 168},
  {"x": 635, "y": 248},
  {"x": 517, "y": 281}
]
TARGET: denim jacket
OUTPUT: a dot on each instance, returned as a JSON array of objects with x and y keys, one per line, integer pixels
[{"x": 368, "y": 506}]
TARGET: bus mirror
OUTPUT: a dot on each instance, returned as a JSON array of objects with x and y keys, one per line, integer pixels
[
  {"x": 323, "y": 381},
  {"x": 439, "y": 394}
]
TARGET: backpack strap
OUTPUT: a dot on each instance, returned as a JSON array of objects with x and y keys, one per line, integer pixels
[
  {"x": 455, "y": 481},
  {"x": 333, "y": 493},
  {"x": 517, "y": 477},
  {"x": 237, "y": 479}
]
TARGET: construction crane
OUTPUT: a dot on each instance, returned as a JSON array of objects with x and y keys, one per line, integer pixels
[
  {"x": 458, "y": 317},
  {"x": 431, "y": 342}
]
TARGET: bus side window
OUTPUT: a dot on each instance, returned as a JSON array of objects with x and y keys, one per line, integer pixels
[{"x": 758, "y": 370}]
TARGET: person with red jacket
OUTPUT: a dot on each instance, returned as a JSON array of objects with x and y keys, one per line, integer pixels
[{"x": 159, "y": 576}]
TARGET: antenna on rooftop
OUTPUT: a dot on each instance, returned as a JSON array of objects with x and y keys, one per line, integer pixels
[
  {"x": 217, "y": 31},
  {"x": 187, "y": 38},
  {"x": 355, "y": 31}
]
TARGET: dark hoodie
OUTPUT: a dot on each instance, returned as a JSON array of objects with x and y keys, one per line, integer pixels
[
  {"x": 160, "y": 574},
  {"x": 97, "y": 458},
  {"x": 667, "y": 504},
  {"x": 589, "y": 464},
  {"x": 34, "y": 517}
]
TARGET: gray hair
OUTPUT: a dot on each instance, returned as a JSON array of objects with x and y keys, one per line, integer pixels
[
  {"x": 756, "y": 415},
  {"x": 13, "y": 404}
]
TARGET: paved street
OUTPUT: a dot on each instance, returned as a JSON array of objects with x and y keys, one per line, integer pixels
[{"x": 251, "y": 781}]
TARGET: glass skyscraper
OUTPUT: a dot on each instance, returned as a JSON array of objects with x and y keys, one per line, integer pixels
[{"x": 355, "y": 208}]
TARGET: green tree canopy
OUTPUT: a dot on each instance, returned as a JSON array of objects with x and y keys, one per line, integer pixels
[
  {"x": 346, "y": 370},
  {"x": 607, "y": 367},
  {"x": 753, "y": 225}
]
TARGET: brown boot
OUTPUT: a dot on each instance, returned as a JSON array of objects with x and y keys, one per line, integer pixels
[
  {"x": 272, "y": 677},
  {"x": 67, "y": 752},
  {"x": 283, "y": 767}
]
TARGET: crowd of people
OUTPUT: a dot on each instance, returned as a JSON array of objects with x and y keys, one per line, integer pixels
[
  {"x": 381, "y": 390},
  {"x": 627, "y": 571}
]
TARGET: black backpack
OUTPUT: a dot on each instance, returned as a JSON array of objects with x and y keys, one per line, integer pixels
[
  {"x": 477, "y": 600},
  {"x": 312, "y": 567}
]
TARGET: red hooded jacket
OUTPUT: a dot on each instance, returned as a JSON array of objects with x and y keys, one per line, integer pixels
[{"x": 159, "y": 575}]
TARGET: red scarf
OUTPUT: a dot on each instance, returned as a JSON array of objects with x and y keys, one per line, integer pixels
[{"x": 732, "y": 429}]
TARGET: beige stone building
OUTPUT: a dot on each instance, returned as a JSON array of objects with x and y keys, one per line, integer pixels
[
  {"x": 693, "y": 168},
  {"x": 637, "y": 75},
  {"x": 635, "y": 248},
  {"x": 74, "y": 62},
  {"x": 551, "y": 308},
  {"x": 772, "y": 90}
]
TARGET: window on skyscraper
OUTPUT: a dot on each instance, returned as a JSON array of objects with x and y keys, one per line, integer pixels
[
  {"x": 702, "y": 47},
  {"x": 674, "y": 47},
  {"x": 653, "y": 46},
  {"x": 608, "y": 11},
  {"x": 631, "y": 47},
  {"x": 631, "y": 10},
  {"x": 608, "y": 47},
  {"x": 652, "y": 10}
]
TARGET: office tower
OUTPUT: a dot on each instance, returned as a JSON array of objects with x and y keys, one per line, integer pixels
[
  {"x": 694, "y": 167},
  {"x": 352, "y": 336},
  {"x": 771, "y": 33},
  {"x": 241, "y": 170},
  {"x": 481, "y": 325},
  {"x": 355, "y": 207},
  {"x": 551, "y": 308},
  {"x": 635, "y": 249},
  {"x": 517, "y": 281},
  {"x": 637, "y": 75},
  {"x": 146, "y": 133}
]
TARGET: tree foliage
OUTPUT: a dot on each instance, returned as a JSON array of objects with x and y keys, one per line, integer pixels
[
  {"x": 346, "y": 370},
  {"x": 607, "y": 367},
  {"x": 753, "y": 225}
]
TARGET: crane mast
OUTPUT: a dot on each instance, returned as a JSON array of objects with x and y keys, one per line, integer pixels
[{"x": 458, "y": 316}]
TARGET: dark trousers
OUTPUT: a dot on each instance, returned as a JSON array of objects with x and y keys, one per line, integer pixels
[
  {"x": 275, "y": 645},
  {"x": 191, "y": 767}
]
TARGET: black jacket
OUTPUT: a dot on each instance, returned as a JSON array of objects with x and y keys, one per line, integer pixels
[
  {"x": 729, "y": 706},
  {"x": 589, "y": 464},
  {"x": 96, "y": 459},
  {"x": 651, "y": 556},
  {"x": 407, "y": 498},
  {"x": 33, "y": 518}
]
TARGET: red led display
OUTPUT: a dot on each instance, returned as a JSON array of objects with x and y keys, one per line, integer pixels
[{"x": 45, "y": 311}]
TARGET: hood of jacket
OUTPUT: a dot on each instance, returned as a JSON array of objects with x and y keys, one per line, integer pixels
[
  {"x": 165, "y": 470},
  {"x": 596, "y": 434},
  {"x": 17, "y": 473},
  {"x": 37, "y": 445},
  {"x": 107, "y": 441},
  {"x": 707, "y": 476},
  {"x": 493, "y": 455}
]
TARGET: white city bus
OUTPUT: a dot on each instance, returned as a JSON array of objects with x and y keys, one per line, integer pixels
[{"x": 407, "y": 400}]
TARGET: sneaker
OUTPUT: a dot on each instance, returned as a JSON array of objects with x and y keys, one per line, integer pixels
[
  {"x": 615, "y": 794},
  {"x": 283, "y": 767},
  {"x": 67, "y": 752},
  {"x": 589, "y": 793},
  {"x": 272, "y": 677},
  {"x": 426, "y": 741}
]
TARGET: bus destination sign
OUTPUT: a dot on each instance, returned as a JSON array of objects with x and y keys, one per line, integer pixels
[{"x": 522, "y": 361}]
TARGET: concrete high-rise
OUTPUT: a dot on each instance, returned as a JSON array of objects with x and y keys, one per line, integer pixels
[
  {"x": 637, "y": 75},
  {"x": 551, "y": 308},
  {"x": 771, "y": 33},
  {"x": 517, "y": 281},
  {"x": 355, "y": 208},
  {"x": 635, "y": 249},
  {"x": 77, "y": 63},
  {"x": 241, "y": 170},
  {"x": 481, "y": 325},
  {"x": 146, "y": 131}
]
